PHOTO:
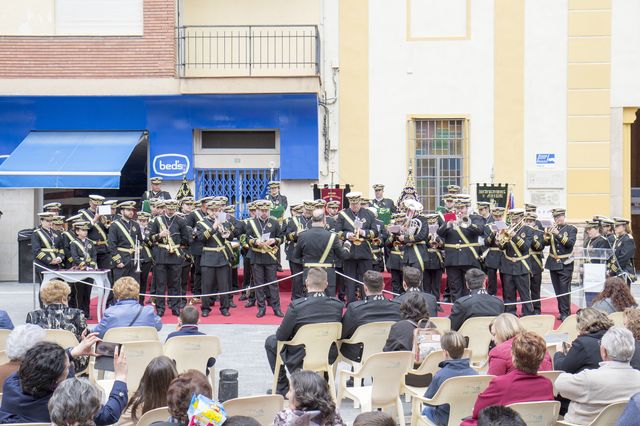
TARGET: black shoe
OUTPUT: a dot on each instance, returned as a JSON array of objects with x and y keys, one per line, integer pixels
[
  {"x": 160, "y": 313},
  {"x": 232, "y": 304},
  {"x": 439, "y": 308},
  {"x": 250, "y": 303},
  {"x": 205, "y": 314},
  {"x": 243, "y": 297},
  {"x": 278, "y": 313},
  {"x": 279, "y": 268},
  {"x": 225, "y": 312},
  {"x": 562, "y": 317},
  {"x": 175, "y": 313},
  {"x": 261, "y": 312}
]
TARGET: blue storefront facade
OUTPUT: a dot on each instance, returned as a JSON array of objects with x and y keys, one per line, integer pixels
[{"x": 169, "y": 122}]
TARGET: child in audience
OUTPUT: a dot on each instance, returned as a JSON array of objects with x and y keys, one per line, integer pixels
[
  {"x": 374, "y": 418},
  {"x": 454, "y": 365}
]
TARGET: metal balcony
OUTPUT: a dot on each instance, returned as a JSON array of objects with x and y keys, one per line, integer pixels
[{"x": 248, "y": 51}]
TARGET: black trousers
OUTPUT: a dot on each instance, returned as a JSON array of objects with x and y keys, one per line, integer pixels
[
  {"x": 561, "y": 281},
  {"x": 455, "y": 279},
  {"x": 520, "y": 284},
  {"x": 214, "y": 280},
  {"x": 355, "y": 268},
  {"x": 396, "y": 281},
  {"x": 129, "y": 270},
  {"x": 80, "y": 296},
  {"x": 536, "y": 284},
  {"x": 184, "y": 282},
  {"x": 340, "y": 286},
  {"x": 292, "y": 357},
  {"x": 167, "y": 280},
  {"x": 330, "y": 291},
  {"x": 263, "y": 274},
  {"x": 492, "y": 281},
  {"x": 297, "y": 283},
  {"x": 431, "y": 282},
  {"x": 196, "y": 277},
  {"x": 145, "y": 269}
]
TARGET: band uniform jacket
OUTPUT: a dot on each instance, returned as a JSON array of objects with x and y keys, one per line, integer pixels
[
  {"x": 611, "y": 238},
  {"x": 97, "y": 232},
  {"x": 331, "y": 222},
  {"x": 312, "y": 245},
  {"x": 67, "y": 238},
  {"x": 429, "y": 300},
  {"x": 624, "y": 251},
  {"x": 192, "y": 220},
  {"x": 377, "y": 243},
  {"x": 415, "y": 250},
  {"x": 344, "y": 225},
  {"x": 516, "y": 252},
  {"x": 179, "y": 235},
  {"x": 477, "y": 304},
  {"x": 598, "y": 242},
  {"x": 46, "y": 246},
  {"x": 122, "y": 239},
  {"x": 146, "y": 245},
  {"x": 385, "y": 203},
  {"x": 536, "y": 258},
  {"x": 395, "y": 260},
  {"x": 83, "y": 253},
  {"x": 254, "y": 229},
  {"x": 160, "y": 195},
  {"x": 434, "y": 258},
  {"x": 315, "y": 308},
  {"x": 560, "y": 247},
  {"x": 215, "y": 252},
  {"x": 371, "y": 309},
  {"x": 456, "y": 251},
  {"x": 294, "y": 227},
  {"x": 492, "y": 255}
]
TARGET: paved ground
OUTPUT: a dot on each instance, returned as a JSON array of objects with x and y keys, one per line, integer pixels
[{"x": 242, "y": 345}]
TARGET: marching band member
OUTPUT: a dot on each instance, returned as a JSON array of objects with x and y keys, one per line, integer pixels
[
  {"x": 195, "y": 249},
  {"x": 413, "y": 235},
  {"x": 434, "y": 261},
  {"x": 536, "y": 259},
  {"x": 156, "y": 190},
  {"x": 295, "y": 226},
  {"x": 607, "y": 225},
  {"x": 461, "y": 248},
  {"x": 515, "y": 271},
  {"x": 98, "y": 230},
  {"x": 492, "y": 254},
  {"x": 318, "y": 247},
  {"x": 168, "y": 233},
  {"x": 278, "y": 201},
  {"x": 377, "y": 247},
  {"x": 215, "y": 262},
  {"x": 395, "y": 263},
  {"x": 484, "y": 214},
  {"x": 84, "y": 256},
  {"x": 146, "y": 256},
  {"x": 360, "y": 257},
  {"x": 54, "y": 208},
  {"x": 264, "y": 239},
  {"x": 247, "y": 279},
  {"x": 532, "y": 208},
  {"x": 624, "y": 251},
  {"x": 46, "y": 245},
  {"x": 561, "y": 238},
  {"x": 384, "y": 206},
  {"x": 233, "y": 245}
]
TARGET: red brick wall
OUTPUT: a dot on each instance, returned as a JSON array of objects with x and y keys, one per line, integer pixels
[{"x": 150, "y": 55}]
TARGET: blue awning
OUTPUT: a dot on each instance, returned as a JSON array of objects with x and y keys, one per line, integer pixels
[{"x": 68, "y": 160}]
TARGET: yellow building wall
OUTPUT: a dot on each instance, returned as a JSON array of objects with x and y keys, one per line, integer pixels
[
  {"x": 509, "y": 94},
  {"x": 250, "y": 12},
  {"x": 588, "y": 108}
]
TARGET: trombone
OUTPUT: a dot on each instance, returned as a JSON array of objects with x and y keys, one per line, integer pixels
[{"x": 504, "y": 235}]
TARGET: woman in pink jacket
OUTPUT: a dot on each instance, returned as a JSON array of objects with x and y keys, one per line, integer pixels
[{"x": 503, "y": 329}]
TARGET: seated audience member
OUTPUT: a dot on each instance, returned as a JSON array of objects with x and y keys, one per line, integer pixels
[
  {"x": 152, "y": 391},
  {"x": 591, "y": 390},
  {"x": 56, "y": 313},
  {"x": 181, "y": 390},
  {"x": 310, "y": 402},
  {"x": 75, "y": 402},
  {"x": 187, "y": 323},
  {"x": 19, "y": 341},
  {"x": 241, "y": 421},
  {"x": 631, "y": 413},
  {"x": 374, "y": 418},
  {"x": 499, "y": 415},
  {"x": 412, "y": 283},
  {"x": 412, "y": 310},
  {"x": 316, "y": 307},
  {"x": 614, "y": 297},
  {"x": 5, "y": 320},
  {"x": 503, "y": 329},
  {"x": 632, "y": 323},
  {"x": 478, "y": 303},
  {"x": 27, "y": 392},
  {"x": 454, "y": 365},
  {"x": 523, "y": 384},
  {"x": 584, "y": 351},
  {"x": 373, "y": 308},
  {"x": 127, "y": 312}
]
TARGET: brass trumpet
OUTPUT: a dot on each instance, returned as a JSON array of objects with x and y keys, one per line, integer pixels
[
  {"x": 463, "y": 221},
  {"x": 136, "y": 255}
]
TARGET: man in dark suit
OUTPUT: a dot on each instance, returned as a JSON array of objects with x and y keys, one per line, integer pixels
[
  {"x": 315, "y": 308},
  {"x": 187, "y": 323},
  {"x": 478, "y": 303},
  {"x": 373, "y": 308},
  {"x": 412, "y": 282}
]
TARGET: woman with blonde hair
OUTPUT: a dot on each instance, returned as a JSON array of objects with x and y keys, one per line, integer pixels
[
  {"x": 503, "y": 329},
  {"x": 584, "y": 352}
]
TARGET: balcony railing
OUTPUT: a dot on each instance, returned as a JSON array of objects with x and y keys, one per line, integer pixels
[{"x": 252, "y": 50}]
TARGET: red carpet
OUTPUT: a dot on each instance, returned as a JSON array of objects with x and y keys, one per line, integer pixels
[{"x": 242, "y": 315}]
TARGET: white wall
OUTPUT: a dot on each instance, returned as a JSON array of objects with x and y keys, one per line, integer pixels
[
  {"x": 427, "y": 77},
  {"x": 546, "y": 95},
  {"x": 625, "y": 53},
  {"x": 17, "y": 206}
]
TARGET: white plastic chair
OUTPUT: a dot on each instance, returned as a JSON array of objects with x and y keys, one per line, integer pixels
[
  {"x": 538, "y": 413},
  {"x": 569, "y": 326},
  {"x": 617, "y": 318},
  {"x": 131, "y": 334},
  {"x": 430, "y": 365},
  {"x": 387, "y": 371},
  {"x": 552, "y": 375},
  {"x": 540, "y": 324},
  {"x": 477, "y": 330},
  {"x": 193, "y": 352},
  {"x": 64, "y": 338},
  {"x": 442, "y": 323},
  {"x": 607, "y": 417},
  {"x": 156, "y": 415},
  {"x": 263, "y": 408}
]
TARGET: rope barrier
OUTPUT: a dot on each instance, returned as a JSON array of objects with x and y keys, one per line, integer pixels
[{"x": 71, "y": 279}]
